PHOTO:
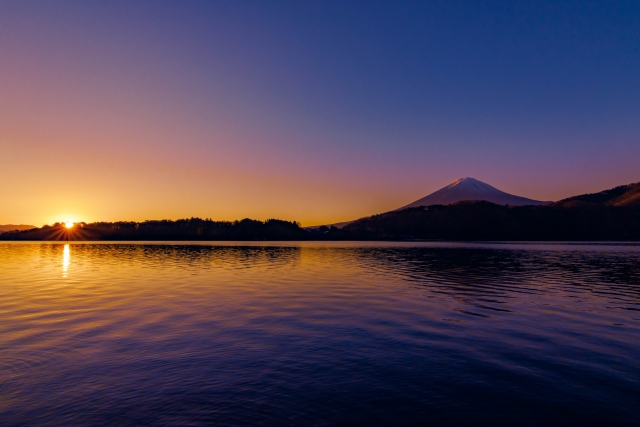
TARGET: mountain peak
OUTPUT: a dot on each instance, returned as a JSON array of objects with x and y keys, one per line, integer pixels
[{"x": 471, "y": 189}]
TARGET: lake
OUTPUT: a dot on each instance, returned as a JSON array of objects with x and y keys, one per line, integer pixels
[{"x": 304, "y": 333}]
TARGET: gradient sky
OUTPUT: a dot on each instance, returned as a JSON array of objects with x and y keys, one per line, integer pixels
[{"x": 311, "y": 111}]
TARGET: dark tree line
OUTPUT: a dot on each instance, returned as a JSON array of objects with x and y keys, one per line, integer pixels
[
  {"x": 575, "y": 220},
  {"x": 183, "y": 229},
  {"x": 487, "y": 221}
]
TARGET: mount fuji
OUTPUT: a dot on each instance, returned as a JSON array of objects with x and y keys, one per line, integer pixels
[
  {"x": 471, "y": 189},
  {"x": 463, "y": 189}
]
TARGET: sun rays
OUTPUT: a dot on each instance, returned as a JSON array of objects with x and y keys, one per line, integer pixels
[{"x": 67, "y": 230}]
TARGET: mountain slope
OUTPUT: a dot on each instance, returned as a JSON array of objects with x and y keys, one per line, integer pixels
[
  {"x": 608, "y": 215},
  {"x": 12, "y": 227},
  {"x": 624, "y": 195},
  {"x": 460, "y": 190},
  {"x": 471, "y": 189}
]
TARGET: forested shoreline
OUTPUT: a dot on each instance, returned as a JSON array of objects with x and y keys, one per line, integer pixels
[
  {"x": 487, "y": 221},
  {"x": 463, "y": 221},
  {"x": 182, "y": 229}
]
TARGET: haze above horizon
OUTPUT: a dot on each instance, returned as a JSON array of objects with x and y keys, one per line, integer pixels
[{"x": 318, "y": 113}]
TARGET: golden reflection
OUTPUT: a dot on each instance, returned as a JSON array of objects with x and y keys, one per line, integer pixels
[{"x": 66, "y": 259}]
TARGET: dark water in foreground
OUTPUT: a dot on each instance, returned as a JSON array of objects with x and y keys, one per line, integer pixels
[{"x": 319, "y": 334}]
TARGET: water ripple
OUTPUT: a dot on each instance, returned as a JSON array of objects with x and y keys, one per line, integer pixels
[{"x": 319, "y": 334}]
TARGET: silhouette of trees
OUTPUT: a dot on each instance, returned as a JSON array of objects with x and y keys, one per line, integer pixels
[
  {"x": 487, "y": 221},
  {"x": 572, "y": 220},
  {"x": 182, "y": 229}
]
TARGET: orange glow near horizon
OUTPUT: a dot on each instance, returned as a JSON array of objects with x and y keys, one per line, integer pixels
[
  {"x": 129, "y": 122},
  {"x": 69, "y": 224}
]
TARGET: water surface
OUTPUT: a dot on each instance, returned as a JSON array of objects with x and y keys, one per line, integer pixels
[{"x": 319, "y": 334}]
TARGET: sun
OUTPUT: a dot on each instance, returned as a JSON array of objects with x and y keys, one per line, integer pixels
[{"x": 69, "y": 224}]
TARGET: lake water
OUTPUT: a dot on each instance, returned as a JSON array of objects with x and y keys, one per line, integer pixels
[{"x": 298, "y": 334}]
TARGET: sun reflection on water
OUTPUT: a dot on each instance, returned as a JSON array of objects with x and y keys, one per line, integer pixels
[
  {"x": 66, "y": 259},
  {"x": 166, "y": 332}
]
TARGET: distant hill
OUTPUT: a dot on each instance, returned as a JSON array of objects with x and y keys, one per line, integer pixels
[
  {"x": 471, "y": 189},
  {"x": 12, "y": 227},
  {"x": 609, "y": 215},
  {"x": 624, "y": 195},
  {"x": 460, "y": 190}
]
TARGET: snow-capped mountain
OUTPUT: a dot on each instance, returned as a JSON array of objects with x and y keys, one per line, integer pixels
[{"x": 471, "y": 189}]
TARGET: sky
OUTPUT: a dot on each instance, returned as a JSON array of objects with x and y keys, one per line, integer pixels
[{"x": 314, "y": 111}]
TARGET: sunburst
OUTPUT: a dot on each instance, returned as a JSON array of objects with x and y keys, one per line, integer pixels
[{"x": 67, "y": 230}]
